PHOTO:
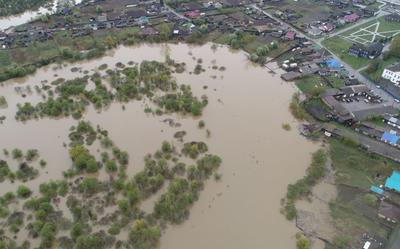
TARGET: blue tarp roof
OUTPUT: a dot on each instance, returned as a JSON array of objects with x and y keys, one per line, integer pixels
[
  {"x": 389, "y": 137},
  {"x": 377, "y": 190},
  {"x": 393, "y": 182},
  {"x": 332, "y": 63}
]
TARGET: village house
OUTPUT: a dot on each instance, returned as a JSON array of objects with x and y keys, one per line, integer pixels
[
  {"x": 290, "y": 36},
  {"x": 351, "y": 18},
  {"x": 392, "y": 121},
  {"x": 389, "y": 212},
  {"x": 314, "y": 31},
  {"x": 393, "y": 182},
  {"x": 393, "y": 18},
  {"x": 392, "y": 74},
  {"x": 194, "y": 14},
  {"x": 3, "y": 36},
  {"x": 369, "y": 12},
  {"x": 371, "y": 51},
  {"x": 136, "y": 13},
  {"x": 148, "y": 31},
  {"x": 370, "y": 130},
  {"x": 327, "y": 27}
]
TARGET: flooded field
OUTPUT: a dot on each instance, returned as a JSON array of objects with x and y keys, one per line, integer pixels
[
  {"x": 15, "y": 20},
  {"x": 246, "y": 109}
]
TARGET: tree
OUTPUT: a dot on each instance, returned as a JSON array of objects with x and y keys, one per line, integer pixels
[
  {"x": 110, "y": 42},
  {"x": 373, "y": 66},
  {"x": 47, "y": 234},
  {"x": 77, "y": 230},
  {"x": 17, "y": 153},
  {"x": 144, "y": 236},
  {"x": 395, "y": 46},
  {"x": 89, "y": 185},
  {"x": 302, "y": 241},
  {"x": 23, "y": 191},
  {"x": 165, "y": 31}
]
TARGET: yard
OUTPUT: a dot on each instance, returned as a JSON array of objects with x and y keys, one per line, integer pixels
[
  {"x": 356, "y": 167},
  {"x": 381, "y": 66},
  {"x": 340, "y": 47},
  {"x": 356, "y": 170},
  {"x": 311, "y": 85}
]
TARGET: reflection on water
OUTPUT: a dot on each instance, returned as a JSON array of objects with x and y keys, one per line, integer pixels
[{"x": 247, "y": 107}]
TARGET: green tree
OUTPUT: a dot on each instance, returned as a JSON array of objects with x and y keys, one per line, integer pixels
[
  {"x": 144, "y": 236},
  {"x": 47, "y": 235},
  {"x": 23, "y": 191},
  {"x": 17, "y": 153},
  {"x": 395, "y": 46}
]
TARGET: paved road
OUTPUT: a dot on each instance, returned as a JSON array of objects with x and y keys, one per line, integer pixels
[
  {"x": 386, "y": 97},
  {"x": 176, "y": 13}
]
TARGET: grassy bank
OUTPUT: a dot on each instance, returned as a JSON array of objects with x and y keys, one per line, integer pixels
[{"x": 302, "y": 188}]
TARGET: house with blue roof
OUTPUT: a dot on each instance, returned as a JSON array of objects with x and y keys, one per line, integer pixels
[
  {"x": 390, "y": 137},
  {"x": 377, "y": 190},
  {"x": 393, "y": 182},
  {"x": 333, "y": 64}
]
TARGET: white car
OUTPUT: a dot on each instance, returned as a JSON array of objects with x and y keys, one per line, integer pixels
[{"x": 396, "y": 100}]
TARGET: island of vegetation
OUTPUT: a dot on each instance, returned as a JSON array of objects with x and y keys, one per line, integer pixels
[
  {"x": 111, "y": 203},
  {"x": 8, "y": 8}
]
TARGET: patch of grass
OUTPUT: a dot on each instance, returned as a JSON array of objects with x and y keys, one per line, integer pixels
[
  {"x": 302, "y": 187},
  {"x": 5, "y": 58},
  {"x": 222, "y": 39},
  {"x": 311, "y": 85},
  {"x": 336, "y": 82},
  {"x": 296, "y": 108},
  {"x": 356, "y": 167}
]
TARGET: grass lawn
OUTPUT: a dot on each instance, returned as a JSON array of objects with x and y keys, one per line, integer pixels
[
  {"x": 339, "y": 46},
  {"x": 383, "y": 27},
  {"x": 356, "y": 167},
  {"x": 252, "y": 46},
  {"x": 222, "y": 39},
  {"x": 5, "y": 58},
  {"x": 336, "y": 81},
  {"x": 311, "y": 84}
]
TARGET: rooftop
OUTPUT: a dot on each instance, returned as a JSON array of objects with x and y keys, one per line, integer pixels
[
  {"x": 393, "y": 182},
  {"x": 394, "y": 68}
]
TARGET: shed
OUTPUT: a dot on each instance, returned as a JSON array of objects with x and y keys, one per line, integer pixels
[
  {"x": 377, "y": 190},
  {"x": 333, "y": 64}
]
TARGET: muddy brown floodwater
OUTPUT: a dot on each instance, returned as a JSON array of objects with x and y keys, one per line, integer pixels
[{"x": 247, "y": 107}]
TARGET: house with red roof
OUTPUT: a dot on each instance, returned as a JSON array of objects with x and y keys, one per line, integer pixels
[
  {"x": 351, "y": 18},
  {"x": 193, "y": 14},
  {"x": 290, "y": 35}
]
